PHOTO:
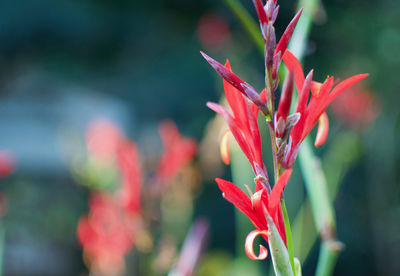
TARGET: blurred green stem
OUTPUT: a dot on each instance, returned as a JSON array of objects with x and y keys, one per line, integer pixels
[
  {"x": 247, "y": 21},
  {"x": 2, "y": 240},
  {"x": 327, "y": 259}
]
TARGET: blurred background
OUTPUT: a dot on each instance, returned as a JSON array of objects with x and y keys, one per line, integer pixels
[{"x": 66, "y": 63}]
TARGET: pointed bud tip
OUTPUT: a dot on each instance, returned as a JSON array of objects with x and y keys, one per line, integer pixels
[{"x": 209, "y": 59}]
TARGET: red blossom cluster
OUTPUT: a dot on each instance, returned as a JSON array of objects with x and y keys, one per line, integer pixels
[
  {"x": 115, "y": 218},
  {"x": 107, "y": 233},
  {"x": 287, "y": 130}
]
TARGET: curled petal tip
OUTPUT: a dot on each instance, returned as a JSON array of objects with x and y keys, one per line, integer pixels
[
  {"x": 248, "y": 246},
  {"x": 323, "y": 129}
]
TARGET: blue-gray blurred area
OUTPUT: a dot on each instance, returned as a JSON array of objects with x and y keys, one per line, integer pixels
[{"x": 64, "y": 63}]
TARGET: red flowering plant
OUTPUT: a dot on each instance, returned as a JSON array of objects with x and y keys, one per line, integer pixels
[
  {"x": 265, "y": 207},
  {"x": 111, "y": 228},
  {"x": 121, "y": 208}
]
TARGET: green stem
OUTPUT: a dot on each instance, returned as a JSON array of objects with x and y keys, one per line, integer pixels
[
  {"x": 2, "y": 242},
  {"x": 248, "y": 23},
  {"x": 288, "y": 231},
  {"x": 317, "y": 188},
  {"x": 327, "y": 259},
  {"x": 298, "y": 42}
]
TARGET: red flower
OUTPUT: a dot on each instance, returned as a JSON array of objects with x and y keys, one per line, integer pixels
[
  {"x": 310, "y": 110},
  {"x": 178, "y": 151},
  {"x": 261, "y": 205},
  {"x": 243, "y": 125},
  {"x": 357, "y": 108},
  {"x": 105, "y": 234},
  {"x": 103, "y": 138},
  {"x": 129, "y": 193},
  {"x": 7, "y": 164},
  {"x": 213, "y": 31}
]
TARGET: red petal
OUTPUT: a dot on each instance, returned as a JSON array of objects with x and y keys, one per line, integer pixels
[
  {"x": 234, "y": 129},
  {"x": 286, "y": 99},
  {"x": 248, "y": 246},
  {"x": 239, "y": 199},
  {"x": 236, "y": 100},
  {"x": 262, "y": 15},
  {"x": 317, "y": 106},
  {"x": 284, "y": 41},
  {"x": 341, "y": 87},
  {"x": 298, "y": 129},
  {"x": 323, "y": 129},
  {"x": 275, "y": 195},
  {"x": 259, "y": 201},
  {"x": 253, "y": 137},
  {"x": 293, "y": 64}
]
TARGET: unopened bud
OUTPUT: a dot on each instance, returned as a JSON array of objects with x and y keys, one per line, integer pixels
[
  {"x": 275, "y": 14},
  {"x": 253, "y": 96},
  {"x": 292, "y": 119},
  {"x": 264, "y": 30},
  {"x": 286, "y": 98},
  {"x": 269, "y": 8},
  {"x": 284, "y": 41},
  {"x": 281, "y": 149},
  {"x": 275, "y": 65},
  {"x": 280, "y": 126},
  {"x": 290, "y": 123},
  {"x": 271, "y": 45},
  {"x": 262, "y": 17}
]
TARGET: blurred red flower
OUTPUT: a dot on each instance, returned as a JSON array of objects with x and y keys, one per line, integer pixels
[
  {"x": 108, "y": 232},
  {"x": 103, "y": 138},
  {"x": 129, "y": 192},
  {"x": 356, "y": 108},
  {"x": 7, "y": 164},
  {"x": 213, "y": 31},
  {"x": 178, "y": 151},
  {"x": 106, "y": 235}
]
